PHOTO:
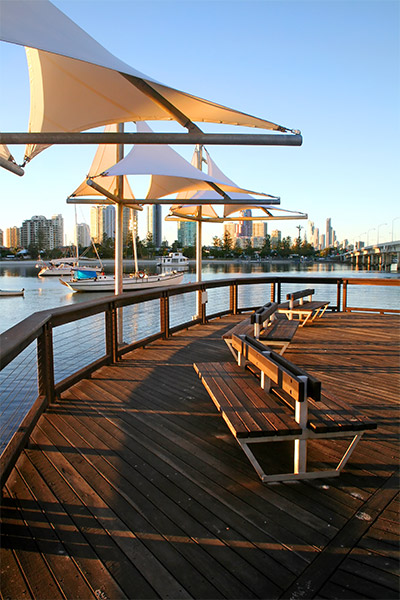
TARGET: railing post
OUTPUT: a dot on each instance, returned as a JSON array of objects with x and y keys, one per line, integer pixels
[
  {"x": 233, "y": 298},
  {"x": 338, "y": 294},
  {"x": 278, "y": 292},
  {"x": 204, "y": 299},
  {"x": 273, "y": 291},
  {"x": 344, "y": 308},
  {"x": 164, "y": 314},
  {"x": 46, "y": 363},
  {"x": 111, "y": 334}
]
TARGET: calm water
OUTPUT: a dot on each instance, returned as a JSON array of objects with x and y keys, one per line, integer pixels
[{"x": 44, "y": 293}]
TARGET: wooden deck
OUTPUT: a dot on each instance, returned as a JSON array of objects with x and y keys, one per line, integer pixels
[{"x": 133, "y": 487}]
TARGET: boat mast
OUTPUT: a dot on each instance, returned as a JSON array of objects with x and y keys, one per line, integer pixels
[{"x": 76, "y": 239}]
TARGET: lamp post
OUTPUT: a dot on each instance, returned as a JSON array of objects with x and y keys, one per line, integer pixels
[
  {"x": 373, "y": 229},
  {"x": 393, "y": 220},
  {"x": 381, "y": 225},
  {"x": 361, "y": 234}
]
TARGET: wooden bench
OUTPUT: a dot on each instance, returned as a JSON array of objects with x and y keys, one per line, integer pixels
[
  {"x": 282, "y": 403},
  {"x": 267, "y": 325},
  {"x": 305, "y": 311}
]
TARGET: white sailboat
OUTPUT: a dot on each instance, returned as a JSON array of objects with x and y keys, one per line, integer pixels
[
  {"x": 64, "y": 267},
  {"x": 85, "y": 281}
]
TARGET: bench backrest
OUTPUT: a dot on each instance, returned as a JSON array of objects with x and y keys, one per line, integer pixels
[
  {"x": 260, "y": 315},
  {"x": 299, "y": 294},
  {"x": 280, "y": 370}
]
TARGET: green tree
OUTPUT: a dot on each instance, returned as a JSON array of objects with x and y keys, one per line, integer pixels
[
  {"x": 227, "y": 242},
  {"x": 266, "y": 249}
]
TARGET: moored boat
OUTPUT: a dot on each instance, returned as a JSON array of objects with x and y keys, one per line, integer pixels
[
  {"x": 62, "y": 267},
  {"x": 84, "y": 281},
  {"x": 174, "y": 260},
  {"x": 8, "y": 293}
]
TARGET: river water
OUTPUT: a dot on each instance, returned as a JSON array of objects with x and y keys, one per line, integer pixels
[{"x": 47, "y": 292}]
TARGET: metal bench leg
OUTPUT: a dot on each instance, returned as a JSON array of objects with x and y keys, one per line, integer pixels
[{"x": 300, "y": 446}]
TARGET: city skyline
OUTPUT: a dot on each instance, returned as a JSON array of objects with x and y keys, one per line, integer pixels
[
  {"x": 102, "y": 222},
  {"x": 337, "y": 94}
]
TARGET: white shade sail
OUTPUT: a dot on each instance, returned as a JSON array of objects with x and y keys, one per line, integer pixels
[
  {"x": 195, "y": 207},
  {"x": 104, "y": 157},
  {"x": 80, "y": 85},
  {"x": 170, "y": 172}
]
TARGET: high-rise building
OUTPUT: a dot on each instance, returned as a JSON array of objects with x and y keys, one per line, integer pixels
[
  {"x": 154, "y": 223},
  {"x": 96, "y": 223},
  {"x": 12, "y": 237},
  {"x": 108, "y": 216},
  {"x": 82, "y": 235},
  {"x": 38, "y": 231},
  {"x": 58, "y": 230},
  {"x": 259, "y": 233},
  {"x": 276, "y": 237},
  {"x": 186, "y": 233},
  {"x": 245, "y": 228},
  {"x": 328, "y": 234},
  {"x": 322, "y": 241}
]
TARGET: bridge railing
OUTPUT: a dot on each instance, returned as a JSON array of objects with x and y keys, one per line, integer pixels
[{"x": 52, "y": 350}]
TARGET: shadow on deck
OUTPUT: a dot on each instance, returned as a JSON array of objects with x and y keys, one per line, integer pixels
[{"x": 133, "y": 487}]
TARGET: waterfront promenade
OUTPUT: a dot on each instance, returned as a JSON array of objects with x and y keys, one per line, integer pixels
[{"x": 133, "y": 487}]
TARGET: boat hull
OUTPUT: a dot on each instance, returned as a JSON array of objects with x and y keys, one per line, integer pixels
[
  {"x": 106, "y": 283},
  {"x": 8, "y": 293},
  {"x": 64, "y": 271}
]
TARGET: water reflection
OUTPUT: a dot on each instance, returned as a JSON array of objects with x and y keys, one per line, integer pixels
[{"x": 47, "y": 292}]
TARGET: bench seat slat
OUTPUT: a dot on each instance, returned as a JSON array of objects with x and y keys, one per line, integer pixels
[
  {"x": 308, "y": 305},
  {"x": 264, "y": 407},
  {"x": 244, "y": 327},
  {"x": 248, "y": 410},
  {"x": 326, "y": 416},
  {"x": 281, "y": 329}
]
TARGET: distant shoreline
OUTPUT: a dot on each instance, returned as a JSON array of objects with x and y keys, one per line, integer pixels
[{"x": 129, "y": 261}]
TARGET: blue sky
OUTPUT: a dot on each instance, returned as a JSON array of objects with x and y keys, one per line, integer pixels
[{"x": 328, "y": 68}]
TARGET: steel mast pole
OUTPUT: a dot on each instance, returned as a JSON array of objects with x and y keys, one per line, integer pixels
[{"x": 119, "y": 208}]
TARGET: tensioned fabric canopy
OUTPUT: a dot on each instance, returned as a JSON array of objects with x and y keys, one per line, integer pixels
[
  {"x": 76, "y": 84},
  {"x": 198, "y": 206},
  {"x": 104, "y": 157},
  {"x": 170, "y": 172}
]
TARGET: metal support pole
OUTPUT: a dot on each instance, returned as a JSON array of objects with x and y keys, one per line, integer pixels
[
  {"x": 191, "y": 139},
  {"x": 119, "y": 213}
]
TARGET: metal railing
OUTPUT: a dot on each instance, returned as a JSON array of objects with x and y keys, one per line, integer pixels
[{"x": 52, "y": 350}]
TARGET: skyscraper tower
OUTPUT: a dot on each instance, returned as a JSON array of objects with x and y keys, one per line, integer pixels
[
  {"x": 154, "y": 225},
  {"x": 328, "y": 234},
  {"x": 186, "y": 233}
]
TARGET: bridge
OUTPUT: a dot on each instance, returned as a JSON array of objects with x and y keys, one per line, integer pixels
[{"x": 383, "y": 257}]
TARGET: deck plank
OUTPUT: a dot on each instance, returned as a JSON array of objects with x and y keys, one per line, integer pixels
[{"x": 133, "y": 482}]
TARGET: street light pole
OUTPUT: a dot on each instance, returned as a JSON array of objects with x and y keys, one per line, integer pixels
[
  {"x": 373, "y": 229},
  {"x": 393, "y": 220},
  {"x": 381, "y": 225}
]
